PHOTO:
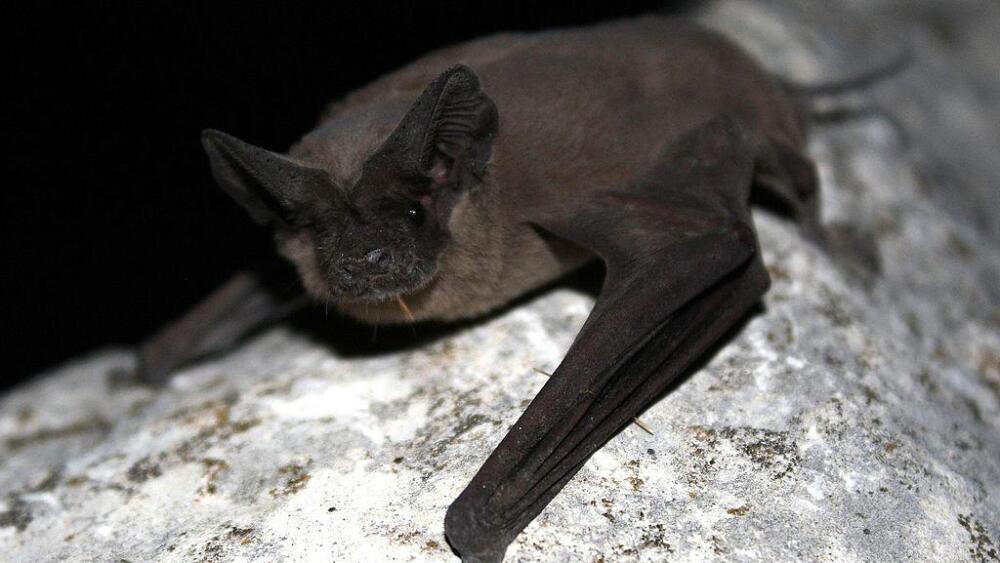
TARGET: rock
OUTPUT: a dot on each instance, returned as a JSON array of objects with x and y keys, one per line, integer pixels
[{"x": 856, "y": 418}]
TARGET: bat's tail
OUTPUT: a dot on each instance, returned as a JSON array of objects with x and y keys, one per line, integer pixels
[{"x": 808, "y": 92}]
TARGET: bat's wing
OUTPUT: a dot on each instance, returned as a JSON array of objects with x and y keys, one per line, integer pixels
[
  {"x": 682, "y": 268},
  {"x": 250, "y": 300}
]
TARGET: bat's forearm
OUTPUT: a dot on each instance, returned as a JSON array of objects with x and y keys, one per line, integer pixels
[{"x": 249, "y": 300}]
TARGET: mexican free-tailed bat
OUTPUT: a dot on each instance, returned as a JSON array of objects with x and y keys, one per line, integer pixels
[{"x": 447, "y": 188}]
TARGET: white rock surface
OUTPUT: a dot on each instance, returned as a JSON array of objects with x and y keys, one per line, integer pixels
[{"x": 854, "y": 419}]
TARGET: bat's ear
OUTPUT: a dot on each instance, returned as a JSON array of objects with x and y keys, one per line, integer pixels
[
  {"x": 271, "y": 187},
  {"x": 448, "y": 133}
]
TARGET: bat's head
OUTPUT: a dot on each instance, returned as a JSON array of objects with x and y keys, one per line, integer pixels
[{"x": 379, "y": 235}]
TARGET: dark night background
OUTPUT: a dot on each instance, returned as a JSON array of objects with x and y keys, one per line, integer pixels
[{"x": 111, "y": 223}]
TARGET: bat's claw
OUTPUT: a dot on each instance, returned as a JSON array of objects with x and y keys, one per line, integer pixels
[
  {"x": 490, "y": 558},
  {"x": 474, "y": 541},
  {"x": 154, "y": 367}
]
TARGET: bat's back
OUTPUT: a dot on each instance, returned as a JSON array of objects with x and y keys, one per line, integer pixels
[{"x": 594, "y": 105}]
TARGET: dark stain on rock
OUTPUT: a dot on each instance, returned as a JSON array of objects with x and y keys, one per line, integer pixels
[
  {"x": 143, "y": 470},
  {"x": 958, "y": 246},
  {"x": 928, "y": 381},
  {"x": 213, "y": 468},
  {"x": 136, "y": 408},
  {"x": 212, "y": 552},
  {"x": 94, "y": 424},
  {"x": 767, "y": 448},
  {"x": 739, "y": 510},
  {"x": 215, "y": 550},
  {"x": 294, "y": 478},
  {"x": 782, "y": 335},
  {"x": 655, "y": 536},
  {"x": 718, "y": 545},
  {"x": 219, "y": 408},
  {"x": 981, "y": 546},
  {"x": 18, "y": 515},
  {"x": 50, "y": 481},
  {"x": 974, "y": 409},
  {"x": 76, "y": 481},
  {"x": 220, "y": 427},
  {"x": 468, "y": 423},
  {"x": 833, "y": 310},
  {"x": 705, "y": 441},
  {"x": 24, "y": 414},
  {"x": 634, "y": 479},
  {"x": 242, "y": 536},
  {"x": 913, "y": 323},
  {"x": 241, "y": 426},
  {"x": 870, "y": 395},
  {"x": 989, "y": 370}
]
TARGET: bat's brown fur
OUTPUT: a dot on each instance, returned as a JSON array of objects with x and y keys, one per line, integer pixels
[{"x": 580, "y": 109}]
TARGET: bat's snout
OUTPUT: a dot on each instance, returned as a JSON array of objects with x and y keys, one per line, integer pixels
[
  {"x": 379, "y": 258},
  {"x": 375, "y": 273}
]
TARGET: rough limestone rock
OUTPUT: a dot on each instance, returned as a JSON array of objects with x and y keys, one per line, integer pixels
[{"x": 856, "y": 418}]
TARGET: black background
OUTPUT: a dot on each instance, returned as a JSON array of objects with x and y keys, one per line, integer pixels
[{"x": 111, "y": 223}]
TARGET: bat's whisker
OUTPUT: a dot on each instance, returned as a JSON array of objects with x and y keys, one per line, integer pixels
[
  {"x": 638, "y": 422},
  {"x": 405, "y": 308}
]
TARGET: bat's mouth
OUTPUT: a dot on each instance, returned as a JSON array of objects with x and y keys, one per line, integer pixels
[{"x": 357, "y": 285}]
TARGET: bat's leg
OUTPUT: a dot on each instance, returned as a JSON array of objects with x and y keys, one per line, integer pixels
[
  {"x": 680, "y": 274},
  {"x": 791, "y": 178},
  {"x": 248, "y": 301}
]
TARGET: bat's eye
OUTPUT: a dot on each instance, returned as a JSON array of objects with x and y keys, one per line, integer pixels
[{"x": 415, "y": 213}]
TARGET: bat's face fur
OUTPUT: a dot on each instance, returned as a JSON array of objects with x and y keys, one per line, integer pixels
[
  {"x": 379, "y": 235},
  {"x": 380, "y": 238}
]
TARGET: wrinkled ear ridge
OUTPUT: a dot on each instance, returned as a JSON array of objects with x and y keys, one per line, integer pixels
[
  {"x": 464, "y": 122},
  {"x": 452, "y": 119},
  {"x": 268, "y": 185}
]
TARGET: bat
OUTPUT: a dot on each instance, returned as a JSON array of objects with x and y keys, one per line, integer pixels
[{"x": 481, "y": 171}]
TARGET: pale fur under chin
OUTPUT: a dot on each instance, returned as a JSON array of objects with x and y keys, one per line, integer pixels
[{"x": 464, "y": 285}]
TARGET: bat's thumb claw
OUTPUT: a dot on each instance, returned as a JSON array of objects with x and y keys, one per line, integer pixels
[{"x": 471, "y": 540}]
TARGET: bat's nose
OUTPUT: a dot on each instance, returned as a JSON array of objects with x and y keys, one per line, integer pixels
[
  {"x": 378, "y": 257},
  {"x": 373, "y": 262}
]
